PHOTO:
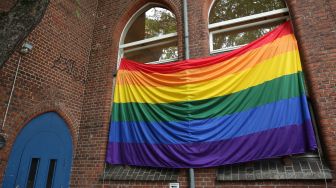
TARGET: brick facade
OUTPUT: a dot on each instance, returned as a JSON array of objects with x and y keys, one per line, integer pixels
[
  {"x": 87, "y": 34},
  {"x": 65, "y": 30}
]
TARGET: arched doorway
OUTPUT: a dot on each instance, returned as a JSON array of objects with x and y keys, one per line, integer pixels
[{"x": 41, "y": 155}]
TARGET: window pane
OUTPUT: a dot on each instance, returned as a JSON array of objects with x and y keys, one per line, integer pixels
[
  {"x": 155, "y": 53},
  {"x": 223, "y": 10},
  {"x": 152, "y": 23},
  {"x": 240, "y": 37},
  {"x": 51, "y": 172},
  {"x": 32, "y": 172}
]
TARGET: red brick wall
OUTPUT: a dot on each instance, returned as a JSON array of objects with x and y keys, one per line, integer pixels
[
  {"x": 113, "y": 16},
  {"x": 65, "y": 29},
  {"x": 87, "y": 107},
  {"x": 315, "y": 26}
]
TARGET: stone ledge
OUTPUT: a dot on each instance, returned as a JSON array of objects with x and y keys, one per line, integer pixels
[
  {"x": 303, "y": 168},
  {"x": 126, "y": 173}
]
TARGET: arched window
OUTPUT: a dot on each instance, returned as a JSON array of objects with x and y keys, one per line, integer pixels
[
  {"x": 150, "y": 36},
  {"x": 234, "y": 23}
]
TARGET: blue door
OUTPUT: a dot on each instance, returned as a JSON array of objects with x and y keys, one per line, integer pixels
[{"x": 41, "y": 155}]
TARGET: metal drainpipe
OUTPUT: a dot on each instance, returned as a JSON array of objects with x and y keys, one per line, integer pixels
[
  {"x": 187, "y": 55},
  {"x": 186, "y": 30}
]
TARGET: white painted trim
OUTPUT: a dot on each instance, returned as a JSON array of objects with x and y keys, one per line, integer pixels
[
  {"x": 174, "y": 185},
  {"x": 211, "y": 5},
  {"x": 249, "y": 25},
  {"x": 149, "y": 46},
  {"x": 248, "y": 18},
  {"x": 212, "y": 51},
  {"x": 211, "y": 42},
  {"x": 162, "y": 61},
  {"x": 226, "y": 49},
  {"x": 144, "y": 41}
]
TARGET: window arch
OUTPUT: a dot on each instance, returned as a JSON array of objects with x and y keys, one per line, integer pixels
[
  {"x": 234, "y": 23},
  {"x": 150, "y": 36}
]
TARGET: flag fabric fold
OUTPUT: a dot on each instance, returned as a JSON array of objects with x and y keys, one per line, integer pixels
[{"x": 245, "y": 105}]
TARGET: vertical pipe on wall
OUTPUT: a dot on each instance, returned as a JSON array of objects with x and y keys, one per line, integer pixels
[
  {"x": 11, "y": 95},
  {"x": 191, "y": 178},
  {"x": 186, "y": 30},
  {"x": 187, "y": 56}
]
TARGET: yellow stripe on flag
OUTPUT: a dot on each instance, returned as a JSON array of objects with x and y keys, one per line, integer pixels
[{"x": 284, "y": 64}]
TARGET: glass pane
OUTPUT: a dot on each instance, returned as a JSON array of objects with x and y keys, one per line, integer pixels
[
  {"x": 223, "y": 10},
  {"x": 152, "y": 23},
  {"x": 155, "y": 53},
  {"x": 32, "y": 172},
  {"x": 51, "y": 172},
  {"x": 239, "y": 37}
]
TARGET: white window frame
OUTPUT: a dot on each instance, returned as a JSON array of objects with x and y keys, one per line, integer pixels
[
  {"x": 215, "y": 28},
  {"x": 157, "y": 41}
]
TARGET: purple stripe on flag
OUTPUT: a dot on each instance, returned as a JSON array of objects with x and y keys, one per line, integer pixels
[{"x": 291, "y": 139}]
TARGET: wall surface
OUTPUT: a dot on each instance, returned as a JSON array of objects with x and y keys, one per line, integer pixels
[
  {"x": 90, "y": 37},
  {"x": 315, "y": 26},
  {"x": 46, "y": 81},
  {"x": 113, "y": 15}
]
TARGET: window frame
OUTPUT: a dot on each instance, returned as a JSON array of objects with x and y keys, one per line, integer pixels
[
  {"x": 238, "y": 23},
  {"x": 157, "y": 41}
]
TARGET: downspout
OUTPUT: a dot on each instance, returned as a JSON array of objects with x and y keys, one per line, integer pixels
[
  {"x": 187, "y": 56},
  {"x": 186, "y": 30}
]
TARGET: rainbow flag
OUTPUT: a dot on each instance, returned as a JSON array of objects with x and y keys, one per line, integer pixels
[{"x": 245, "y": 105}]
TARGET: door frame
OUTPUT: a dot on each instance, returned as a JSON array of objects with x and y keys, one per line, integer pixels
[{"x": 41, "y": 122}]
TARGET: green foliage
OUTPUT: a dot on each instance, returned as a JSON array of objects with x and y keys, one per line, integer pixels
[
  {"x": 169, "y": 53},
  {"x": 224, "y": 40},
  {"x": 158, "y": 22},
  {"x": 230, "y": 9}
]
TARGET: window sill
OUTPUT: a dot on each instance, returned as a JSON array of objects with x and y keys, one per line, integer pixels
[
  {"x": 130, "y": 173},
  {"x": 299, "y": 168}
]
